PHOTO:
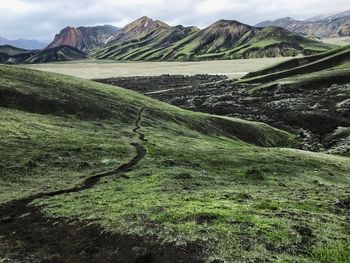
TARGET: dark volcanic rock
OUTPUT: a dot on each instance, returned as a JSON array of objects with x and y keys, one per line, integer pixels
[{"x": 319, "y": 114}]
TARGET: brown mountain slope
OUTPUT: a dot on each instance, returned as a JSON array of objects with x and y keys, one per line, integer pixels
[{"x": 84, "y": 38}]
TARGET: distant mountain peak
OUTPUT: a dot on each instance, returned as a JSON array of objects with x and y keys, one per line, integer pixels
[
  {"x": 144, "y": 24},
  {"x": 29, "y": 44},
  {"x": 329, "y": 16},
  {"x": 327, "y": 25},
  {"x": 228, "y": 22}
]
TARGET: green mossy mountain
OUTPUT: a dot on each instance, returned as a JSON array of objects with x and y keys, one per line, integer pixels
[
  {"x": 152, "y": 40},
  {"x": 146, "y": 39},
  {"x": 331, "y": 61}
]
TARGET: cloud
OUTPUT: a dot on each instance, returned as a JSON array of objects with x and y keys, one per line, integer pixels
[{"x": 41, "y": 19}]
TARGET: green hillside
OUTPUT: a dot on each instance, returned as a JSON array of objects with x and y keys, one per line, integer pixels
[
  {"x": 327, "y": 63},
  {"x": 10, "y": 55},
  {"x": 56, "y": 54},
  {"x": 199, "y": 188},
  {"x": 224, "y": 39},
  {"x": 10, "y": 50}
]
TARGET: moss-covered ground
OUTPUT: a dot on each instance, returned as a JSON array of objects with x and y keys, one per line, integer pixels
[{"x": 238, "y": 189}]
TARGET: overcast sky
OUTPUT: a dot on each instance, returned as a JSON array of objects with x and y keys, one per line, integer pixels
[{"x": 41, "y": 19}]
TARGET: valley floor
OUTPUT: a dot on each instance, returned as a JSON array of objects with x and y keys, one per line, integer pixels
[{"x": 91, "y": 69}]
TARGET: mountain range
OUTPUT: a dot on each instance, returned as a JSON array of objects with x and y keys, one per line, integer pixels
[
  {"x": 23, "y": 43},
  {"x": 336, "y": 25},
  {"x": 329, "y": 16},
  {"x": 146, "y": 39}
]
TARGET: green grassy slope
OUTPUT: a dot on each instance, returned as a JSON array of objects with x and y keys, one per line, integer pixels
[
  {"x": 332, "y": 60},
  {"x": 57, "y": 54},
  {"x": 10, "y": 50},
  {"x": 142, "y": 47},
  {"x": 141, "y": 37},
  {"x": 58, "y": 99},
  {"x": 218, "y": 182},
  {"x": 6, "y": 51}
]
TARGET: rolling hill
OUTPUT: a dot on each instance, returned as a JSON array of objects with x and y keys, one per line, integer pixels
[
  {"x": 331, "y": 60},
  {"x": 337, "y": 25},
  {"x": 11, "y": 50},
  {"x": 316, "y": 86},
  {"x": 224, "y": 39},
  {"x": 84, "y": 38},
  {"x": 96, "y": 173},
  {"x": 56, "y": 54},
  {"x": 6, "y": 51},
  {"x": 308, "y": 96},
  {"x": 11, "y": 55}
]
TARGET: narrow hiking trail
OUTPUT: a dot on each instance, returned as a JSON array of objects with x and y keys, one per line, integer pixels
[
  {"x": 92, "y": 180},
  {"x": 27, "y": 235}
]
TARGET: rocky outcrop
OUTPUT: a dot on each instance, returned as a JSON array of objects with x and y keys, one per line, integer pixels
[
  {"x": 69, "y": 36},
  {"x": 84, "y": 38}
]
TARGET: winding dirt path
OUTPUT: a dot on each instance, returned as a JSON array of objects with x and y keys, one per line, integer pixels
[
  {"x": 93, "y": 180},
  {"x": 26, "y": 235}
]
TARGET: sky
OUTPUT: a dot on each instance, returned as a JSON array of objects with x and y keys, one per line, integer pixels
[{"x": 42, "y": 19}]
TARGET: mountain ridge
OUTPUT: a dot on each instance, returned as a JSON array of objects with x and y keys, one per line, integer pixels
[
  {"x": 224, "y": 39},
  {"x": 29, "y": 44},
  {"x": 337, "y": 25},
  {"x": 12, "y": 55},
  {"x": 84, "y": 38}
]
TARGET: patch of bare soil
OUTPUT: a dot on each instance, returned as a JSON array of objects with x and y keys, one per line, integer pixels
[{"x": 28, "y": 236}]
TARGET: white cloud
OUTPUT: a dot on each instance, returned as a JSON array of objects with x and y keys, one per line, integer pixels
[{"x": 41, "y": 19}]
